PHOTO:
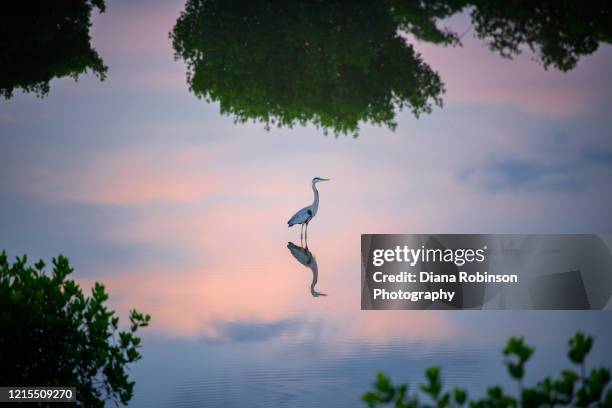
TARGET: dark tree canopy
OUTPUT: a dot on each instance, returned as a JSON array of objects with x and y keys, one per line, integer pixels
[
  {"x": 337, "y": 63},
  {"x": 559, "y": 32},
  {"x": 43, "y": 40},
  {"x": 53, "y": 335},
  {"x": 331, "y": 63}
]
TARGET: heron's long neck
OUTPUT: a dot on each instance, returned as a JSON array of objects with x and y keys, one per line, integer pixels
[
  {"x": 315, "y": 275},
  {"x": 315, "y": 203}
]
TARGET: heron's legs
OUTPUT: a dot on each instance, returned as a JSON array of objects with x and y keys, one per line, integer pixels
[
  {"x": 302, "y": 234},
  {"x": 306, "y": 234}
]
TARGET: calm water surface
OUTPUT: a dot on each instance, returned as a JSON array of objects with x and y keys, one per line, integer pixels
[{"x": 271, "y": 343}]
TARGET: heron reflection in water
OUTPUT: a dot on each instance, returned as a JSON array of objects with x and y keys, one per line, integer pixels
[{"x": 306, "y": 258}]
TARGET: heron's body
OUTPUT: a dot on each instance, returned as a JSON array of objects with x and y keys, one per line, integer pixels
[
  {"x": 306, "y": 214},
  {"x": 303, "y": 216}
]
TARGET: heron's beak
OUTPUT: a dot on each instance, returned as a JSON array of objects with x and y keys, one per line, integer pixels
[{"x": 325, "y": 179}]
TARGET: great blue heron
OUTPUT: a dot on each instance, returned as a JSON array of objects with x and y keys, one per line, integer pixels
[
  {"x": 306, "y": 258},
  {"x": 306, "y": 214}
]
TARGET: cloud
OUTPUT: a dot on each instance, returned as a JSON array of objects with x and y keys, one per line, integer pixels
[
  {"x": 516, "y": 175},
  {"x": 475, "y": 75},
  {"x": 240, "y": 271},
  {"x": 601, "y": 157},
  {"x": 7, "y": 118},
  {"x": 126, "y": 28},
  {"x": 130, "y": 176},
  {"x": 250, "y": 332}
]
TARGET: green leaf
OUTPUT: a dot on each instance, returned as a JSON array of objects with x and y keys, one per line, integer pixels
[
  {"x": 460, "y": 396},
  {"x": 74, "y": 335},
  {"x": 579, "y": 347}
]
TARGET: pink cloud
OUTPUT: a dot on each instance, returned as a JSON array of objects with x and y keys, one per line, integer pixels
[
  {"x": 128, "y": 28},
  {"x": 129, "y": 176},
  {"x": 7, "y": 118},
  {"x": 239, "y": 268},
  {"x": 251, "y": 276},
  {"x": 474, "y": 74}
]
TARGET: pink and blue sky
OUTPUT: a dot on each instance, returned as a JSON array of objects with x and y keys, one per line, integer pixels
[{"x": 182, "y": 213}]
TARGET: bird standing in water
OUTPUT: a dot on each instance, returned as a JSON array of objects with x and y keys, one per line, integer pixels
[{"x": 306, "y": 214}]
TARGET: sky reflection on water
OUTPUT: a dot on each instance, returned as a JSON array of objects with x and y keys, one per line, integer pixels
[{"x": 181, "y": 213}]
